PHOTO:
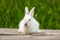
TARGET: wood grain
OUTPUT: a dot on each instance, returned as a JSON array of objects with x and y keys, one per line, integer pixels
[{"x": 12, "y": 34}]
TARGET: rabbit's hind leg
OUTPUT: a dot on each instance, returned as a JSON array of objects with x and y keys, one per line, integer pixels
[{"x": 39, "y": 31}]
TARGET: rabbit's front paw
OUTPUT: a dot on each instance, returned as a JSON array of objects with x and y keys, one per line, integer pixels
[
  {"x": 27, "y": 33},
  {"x": 19, "y": 31}
]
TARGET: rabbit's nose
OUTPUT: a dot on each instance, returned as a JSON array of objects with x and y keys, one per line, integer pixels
[{"x": 25, "y": 24}]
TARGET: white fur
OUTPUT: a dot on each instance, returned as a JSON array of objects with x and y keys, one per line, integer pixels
[{"x": 33, "y": 25}]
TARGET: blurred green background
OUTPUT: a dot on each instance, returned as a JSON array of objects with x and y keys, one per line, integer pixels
[{"x": 47, "y": 13}]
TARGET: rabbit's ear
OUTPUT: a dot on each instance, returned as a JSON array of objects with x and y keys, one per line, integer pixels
[
  {"x": 32, "y": 11},
  {"x": 26, "y": 11}
]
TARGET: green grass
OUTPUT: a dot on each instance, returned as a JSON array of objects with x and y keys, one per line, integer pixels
[{"x": 47, "y": 12}]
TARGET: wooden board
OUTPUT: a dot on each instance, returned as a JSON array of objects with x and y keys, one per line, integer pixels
[{"x": 12, "y": 34}]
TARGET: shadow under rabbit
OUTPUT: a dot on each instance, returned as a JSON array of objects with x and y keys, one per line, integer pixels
[{"x": 38, "y": 34}]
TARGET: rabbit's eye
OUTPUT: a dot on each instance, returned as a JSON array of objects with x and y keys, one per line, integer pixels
[{"x": 29, "y": 19}]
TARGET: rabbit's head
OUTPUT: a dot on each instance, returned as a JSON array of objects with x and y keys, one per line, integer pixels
[{"x": 29, "y": 15}]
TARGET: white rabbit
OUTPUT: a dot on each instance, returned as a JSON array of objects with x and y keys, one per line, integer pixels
[{"x": 28, "y": 23}]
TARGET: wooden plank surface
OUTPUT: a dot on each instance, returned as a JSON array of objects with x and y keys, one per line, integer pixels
[{"x": 12, "y": 34}]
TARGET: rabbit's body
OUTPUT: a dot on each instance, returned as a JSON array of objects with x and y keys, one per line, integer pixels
[
  {"x": 34, "y": 25},
  {"x": 28, "y": 23}
]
